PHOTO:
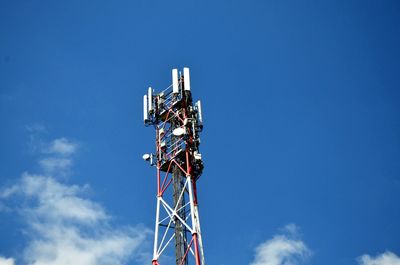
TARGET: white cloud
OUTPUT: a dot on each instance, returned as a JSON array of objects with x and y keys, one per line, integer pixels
[
  {"x": 67, "y": 245},
  {"x": 386, "y": 258},
  {"x": 61, "y": 146},
  {"x": 55, "y": 165},
  {"x": 63, "y": 226},
  {"x": 7, "y": 192},
  {"x": 291, "y": 229},
  {"x": 58, "y": 202},
  {"x": 59, "y": 161},
  {"x": 4, "y": 261},
  {"x": 282, "y": 249}
]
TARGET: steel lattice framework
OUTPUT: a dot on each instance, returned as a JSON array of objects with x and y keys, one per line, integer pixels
[{"x": 178, "y": 123}]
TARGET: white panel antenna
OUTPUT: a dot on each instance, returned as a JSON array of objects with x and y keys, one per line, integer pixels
[
  {"x": 145, "y": 110},
  {"x": 175, "y": 84},
  {"x": 186, "y": 78},
  {"x": 150, "y": 99},
  {"x": 200, "y": 115}
]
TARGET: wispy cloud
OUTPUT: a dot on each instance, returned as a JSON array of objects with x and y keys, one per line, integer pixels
[
  {"x": 55, "y": 201},
  {"x": 58, "y": 154},
  {"x": 386, "y": 258},
  {"x": 35, "y": 128},
  {"x": 61, "y": 146},
  {"x": 283, "y": 249},
  {"x": 56, "y": 165},
  {"x": 62, "y": 225},
  {"x": 5, "y": 261}
]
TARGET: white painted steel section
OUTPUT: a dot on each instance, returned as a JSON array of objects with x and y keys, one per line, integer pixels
[
  {"x": 200, "y": 240},
  {"x": 182, "y": 208},
  {"x": 162, "y": 240},
  {"x": 166, "y": 244},
  {"x": 166, "y": 218},
  {"x": 171, "y": 217},
  {"x": 155, "y": 255},
  {"x": 186, "y": 78},
  {"x": 195, "y": 221},
  {"x": 170, "y": 214},
  {"x": 150, "y": 99},
  {"x": 175, "y": 82},
  {"x": 145, "y": 111},
  {"x": 177, "y": 216},
  {"x": 159, "y": 247},
  {"x": 192, "y": 205}
]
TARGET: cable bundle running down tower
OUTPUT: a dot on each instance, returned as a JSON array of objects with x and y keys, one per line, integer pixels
[{"x": 178, "y": 123}]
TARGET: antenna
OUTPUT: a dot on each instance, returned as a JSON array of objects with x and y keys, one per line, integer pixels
[
  {"x": 186, "y": 76},
  {"x": 145, "y": 109},
  {"x": 175, "y": 82},
  {"x": 150, "y": 98},
  {"x": 199, "y": 113},
  {"x": 179, "y": 165}
]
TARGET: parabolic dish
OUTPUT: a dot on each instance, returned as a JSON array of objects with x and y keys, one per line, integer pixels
[{"x": 179, "y": 131}]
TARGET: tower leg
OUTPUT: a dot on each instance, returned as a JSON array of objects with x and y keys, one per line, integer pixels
[{"x": 193, "y": 213}]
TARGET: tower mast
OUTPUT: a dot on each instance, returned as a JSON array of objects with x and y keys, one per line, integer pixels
[{"x": 178, "y": 122}]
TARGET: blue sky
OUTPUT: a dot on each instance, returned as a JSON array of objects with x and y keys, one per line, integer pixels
[{"x": 301, "y": 140}]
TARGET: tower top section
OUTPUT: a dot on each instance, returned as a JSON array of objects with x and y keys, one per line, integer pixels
[
  {"x": 178, "y": 121},
  {"x": 177, "y": 95}
]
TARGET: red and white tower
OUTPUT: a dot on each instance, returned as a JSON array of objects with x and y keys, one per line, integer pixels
[{"x": 178, "y": 122}]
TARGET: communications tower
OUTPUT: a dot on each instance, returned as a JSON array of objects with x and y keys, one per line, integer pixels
[{"x": 178, "y": 122}]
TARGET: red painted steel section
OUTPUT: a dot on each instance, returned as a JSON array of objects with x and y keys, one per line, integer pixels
[
  {"x": 196, "y": 249},
  {"x": 184, "y": 171},
  {"x": 158, "y": 179},
  {"x": 163, "y": 188},
  {"x": 187, "y": 251},
  {"x": 194, "y": 192}
]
